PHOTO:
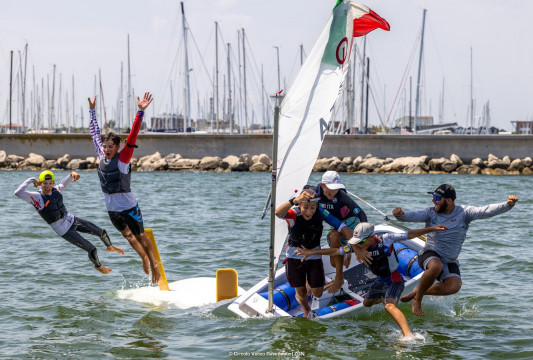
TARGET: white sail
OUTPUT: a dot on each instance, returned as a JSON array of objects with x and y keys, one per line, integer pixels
[{"x": 307, "y": 107}]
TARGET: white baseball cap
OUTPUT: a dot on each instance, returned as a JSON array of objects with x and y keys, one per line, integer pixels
[
  {"x": 361, "y": 232},
  {"x": 332, "y": 180}
]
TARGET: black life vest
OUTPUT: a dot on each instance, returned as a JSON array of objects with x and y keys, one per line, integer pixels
[
  {"x": 111, "y": 179},
  {"x": 306, "y": 232},
  {"x": 380, "y": 261},
  {"x": 53, "y": 207}
]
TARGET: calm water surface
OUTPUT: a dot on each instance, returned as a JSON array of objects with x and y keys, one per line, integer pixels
[{"x": 55, "y": 305}]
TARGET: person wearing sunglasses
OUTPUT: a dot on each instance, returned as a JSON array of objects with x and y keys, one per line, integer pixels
[{"x": 439, "y": 258}]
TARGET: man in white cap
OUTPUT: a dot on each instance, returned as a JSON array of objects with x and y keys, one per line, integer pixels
[
  {"x": 389, "y": 283},
  {"x": 439, "y": 256},
  {"x": 333, "y": 198}
]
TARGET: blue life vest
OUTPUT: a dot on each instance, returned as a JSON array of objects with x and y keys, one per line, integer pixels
[{"x": 111, "y": 179}]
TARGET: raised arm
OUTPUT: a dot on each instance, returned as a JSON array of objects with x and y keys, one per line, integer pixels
[
  {"x": 33, "y": 198},
  {"x": 483, "y": 212},
  {"x": 73, "y": 176},
  {"x": 127, "y": 152},
  {"x": 419, "y": 232},
  {"x": 95, "y": 129},
  {"x": 411, "y": 216}
]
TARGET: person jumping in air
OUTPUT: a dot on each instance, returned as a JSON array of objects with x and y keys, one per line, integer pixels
[
  {"x": 49, "y": 204},
  {"x": 114, "y": 171}
]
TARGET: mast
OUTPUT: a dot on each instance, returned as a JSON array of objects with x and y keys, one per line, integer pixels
[
  {"x": 217, "y": 100},
  {"x": 52, "y": 100},
  {"x": 120, "y": 112},
  {"x": 129, "y": 81},
  {"x": 410, "y": 102},
  {"x": 363, "y": 86},
  {"x": 279, "y": 81},
  {"x": 73, "y": 106},
  {"x": 24, "y": 86},
  {"x": 244, "y": 78},
  {"x": 417, "y": 102},
  {"x": 272, "y": 270},
  {"x": 471, "y": 93},
  {"x": 10, "y": 90},
  {"x": 263, "y": 100},
  {"x": 230, "y": 120},
  {"x": 187, "y": 72},
  {"x": 301, "y": 54},
  {"x": 367, "y": 86},
  {"x": 441, "y": 110}
]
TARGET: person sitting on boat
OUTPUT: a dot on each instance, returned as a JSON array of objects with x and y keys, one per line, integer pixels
[
  {"x": 114, "y": 171},
  {"x": 438, "y": 259},
  {"x": 49, "y": 204},
  {"x": 389, "y": 283},
  {"x": 305, "y": 229},
  {"x": 333, "y": 198}
]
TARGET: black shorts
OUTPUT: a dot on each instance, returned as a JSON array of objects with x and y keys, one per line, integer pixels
[
  {"x": 449, "y": 269},
  {"x": 298, "y": 272},
  {"x": 131, "y": 218}
]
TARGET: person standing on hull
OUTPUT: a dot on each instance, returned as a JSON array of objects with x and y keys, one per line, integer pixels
[
  {"x": 333, "y": 198},
  {"x": 114, "y": 171},
  {"x": 305, "y": 229},
  {"x": 389, "y": 283},
  {"x": 49, "y": 204},
  {"x": 439, "y": 257}
]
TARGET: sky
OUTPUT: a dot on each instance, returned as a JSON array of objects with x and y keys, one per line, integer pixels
[{"x": 86, "y": 39}]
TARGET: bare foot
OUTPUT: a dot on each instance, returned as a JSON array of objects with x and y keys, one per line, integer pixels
[
  {"x": 115, "y": 249},
  {"x": 103, "y": 269},
  {"x": 337, "y": 284},
  {"x": 146, "y": 264},
  {"x": 156, "y": 275},
  {"x": 416, "y": 306},
  {"x": 347, "y": 260},
  {"x": 409, "y": 297}
]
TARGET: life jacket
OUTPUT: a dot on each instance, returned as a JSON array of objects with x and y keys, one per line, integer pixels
[
  {"x": 53, "y": 207},
  {"x": 306, "y": 232},
  {"x": 111, "y": 179},
  {"x": 382, "y": 265}
]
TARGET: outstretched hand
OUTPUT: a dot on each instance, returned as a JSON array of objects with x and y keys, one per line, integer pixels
[
  {"x": 440, "y": 228},
  {"x": 143, "y": 104},
  {"x": 304, "y": 252},
  {"x": 92, "y": 104},
  {"x": 511, "y": 200},
  {"x": 398, "y": 212}
]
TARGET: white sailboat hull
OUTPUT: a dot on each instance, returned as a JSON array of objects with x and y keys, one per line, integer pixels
[{"x": 358, "y": 279}]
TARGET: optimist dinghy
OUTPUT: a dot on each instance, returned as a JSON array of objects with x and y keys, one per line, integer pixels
[{"x": 357, "y": 281}]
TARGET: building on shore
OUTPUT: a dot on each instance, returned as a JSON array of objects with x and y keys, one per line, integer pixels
[{"x": 523, "y": 127}]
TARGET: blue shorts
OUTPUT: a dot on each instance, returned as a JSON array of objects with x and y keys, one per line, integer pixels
[
  {"x": 449, "y": 269},
  {"x": 350, "y": 222},
  {"x": 381, "y": 290}
]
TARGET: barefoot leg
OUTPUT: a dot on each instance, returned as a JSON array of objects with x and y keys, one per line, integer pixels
[
  {"x": 128, "y": 235},
  {"x": 103, "y": 269}
]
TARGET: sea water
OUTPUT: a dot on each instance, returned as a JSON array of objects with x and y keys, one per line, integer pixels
[{"x": 55, "y": 305}]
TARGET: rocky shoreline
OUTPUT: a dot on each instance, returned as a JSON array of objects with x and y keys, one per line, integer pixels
[{"x": 261, "y": 163}]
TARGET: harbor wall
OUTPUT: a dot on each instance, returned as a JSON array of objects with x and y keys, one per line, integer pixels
[{"x": 467, "y": 147}]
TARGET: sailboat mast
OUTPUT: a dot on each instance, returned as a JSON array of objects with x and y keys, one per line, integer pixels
[
  {"x": 217, "y": 100},
  {"x": 24, "y": 86},
  {"x": 129, "y": 81},
  {"x": 10, "y": 89},
  {"x": 417, "y": 101},
  {"x": 244, "y": 79},
  {"x": 471, "y": 92},
  {"x": 230, "y": 118},
  {"x": 361, "y": 124},
  {"x": 272, "y": 270},
  {"x": 187, "y": 73}
]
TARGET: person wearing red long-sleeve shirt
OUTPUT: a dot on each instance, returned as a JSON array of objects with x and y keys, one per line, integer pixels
[{"x": 114, "y": 171}]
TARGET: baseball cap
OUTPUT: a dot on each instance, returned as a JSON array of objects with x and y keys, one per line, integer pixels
[
  {"x": 361, "y": 232},
  {"x": 445, "y": 190},
  {"x": 46, "y": 175},
  {"x": 332, "y": 180}
]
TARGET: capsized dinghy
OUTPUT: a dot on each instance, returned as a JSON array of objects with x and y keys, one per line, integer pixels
[{"x": 357, "y": 281}]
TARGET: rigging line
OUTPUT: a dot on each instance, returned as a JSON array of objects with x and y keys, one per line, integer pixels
[
  {"x": 200, "y": 54},
  {"x": 404, "y": 77}
]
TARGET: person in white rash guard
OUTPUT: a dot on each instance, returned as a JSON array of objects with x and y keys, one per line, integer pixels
[
  {"x": 114, "y": 171},
  {"x": 49, "y": 204},
  {"x": 439, "y": 256}
]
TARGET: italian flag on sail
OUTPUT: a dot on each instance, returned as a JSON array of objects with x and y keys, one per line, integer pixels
[
  {"x": 306, "y": 110},
  {"x": 349, "y": 20}
]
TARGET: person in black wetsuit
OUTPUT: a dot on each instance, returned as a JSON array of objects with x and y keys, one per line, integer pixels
[{"x": 49, "y": 204}]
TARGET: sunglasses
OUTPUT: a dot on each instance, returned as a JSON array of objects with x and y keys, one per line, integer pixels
[{"x": 437, "y": 197}]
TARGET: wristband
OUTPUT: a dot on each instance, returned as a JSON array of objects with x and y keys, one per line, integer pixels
[{"x": 291, "y": 201}]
